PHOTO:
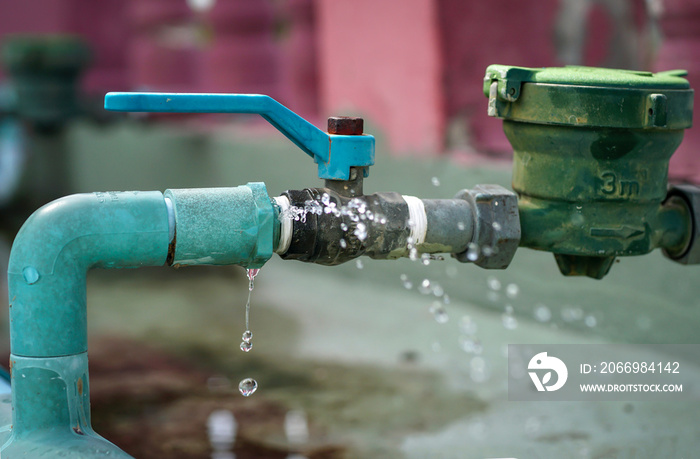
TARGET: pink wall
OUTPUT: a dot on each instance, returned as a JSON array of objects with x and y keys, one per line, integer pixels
[{"x": 381, "y": 59}]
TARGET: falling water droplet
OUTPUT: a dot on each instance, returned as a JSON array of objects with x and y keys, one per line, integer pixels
[
  {"x": 359, "y": 264},
  {"x": 460, "y": 226},
  {"x": 425, "y": 287},
  {"x": 472, "y": 252},
  {"x": 343, "y": 244},
  {"x": 509, "y": 321},
  {"x": 438, "y": 290},
  {"x": 408, "y": 285},
  {"x": 425, "y": 259},
  {"x": 435, "y": 181},
  {"x": 494, "y": 283},
  {"x": 542, "y": 313},
  {"x": 247, "y": 387},
  {"x": 344, "y": 226},
  {"x": 590, "y": 321},
  {"x": 438, "y": 312},
  {"x": 496, "y": 226},
  {"x": 512, "y": 290},
  {"x": 247, "y": 345}
]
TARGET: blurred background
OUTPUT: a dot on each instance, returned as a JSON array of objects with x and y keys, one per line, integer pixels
[{"x": 350, "y": 360}]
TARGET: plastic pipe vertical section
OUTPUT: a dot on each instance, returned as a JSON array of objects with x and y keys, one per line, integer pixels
[
  {"x": 54, "y": 250},
  {"x": 224, "y": 226}
]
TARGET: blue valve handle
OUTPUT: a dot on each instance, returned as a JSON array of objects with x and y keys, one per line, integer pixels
[{"x": 334, "y": 154}]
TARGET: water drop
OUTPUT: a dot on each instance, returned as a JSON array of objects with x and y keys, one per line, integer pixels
[
  {"x": 247, "y": 387},
  {"x": 343, "y": 226},
  {"x": 325, "y": 199},
  {"x": 359, "y": 264},
  {"x": 424, "y": 287},
  {"x": 571, "y": 313},
  {"x": 472, "y": 252},
  {"x": 460, "y": 226},
  {"x": 509, "y": 321},
  {"x": 247, "y": 336},
  {"x": 542, "y": 313},
  {"x": 425, "y": 259},
  {"x": 382, "y": 221},
  {"x": 435, "y": 181},
  {"x": 512, "y": 290},
  {"x": 496, "y": 226},
  {"x": 246, "y": 346},
  {"x": 494, "y": 283},
  {"x": 343, "y": 244},
  {"x": 410, "y": 223},
  {"x": 361, "y": 231},
  {"x": 438, "y": 312},
  {"x": 590, "y": 321},
  {"x": 487, "y": 251},
  {"x": 408, "y": 285},
  {"x": 470, "y": 345},
  {"x": 438, "y": 290},
  {"x": 413, "y": 254}
]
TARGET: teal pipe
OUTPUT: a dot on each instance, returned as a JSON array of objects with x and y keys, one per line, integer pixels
[{"x": 47, "y": 275}]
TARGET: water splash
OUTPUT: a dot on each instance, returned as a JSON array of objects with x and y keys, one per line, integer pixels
[{"x": 247, "y": 387}]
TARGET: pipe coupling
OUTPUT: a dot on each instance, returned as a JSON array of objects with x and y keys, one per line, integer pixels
[{"x": 496, "y": 226}]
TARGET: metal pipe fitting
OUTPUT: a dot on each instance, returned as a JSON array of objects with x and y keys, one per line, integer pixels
[{"x": 320, "y": 225}]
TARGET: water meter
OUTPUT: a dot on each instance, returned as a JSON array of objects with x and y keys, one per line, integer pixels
[{"x": 591, "y": 152}]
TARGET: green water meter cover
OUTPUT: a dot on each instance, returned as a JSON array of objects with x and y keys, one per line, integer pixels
[{"x": 589, "y": 96}]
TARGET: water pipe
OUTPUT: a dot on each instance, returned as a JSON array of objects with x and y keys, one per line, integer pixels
[
  {"x": 47, "y": 273},
  {"x": 327, "y": 225}
]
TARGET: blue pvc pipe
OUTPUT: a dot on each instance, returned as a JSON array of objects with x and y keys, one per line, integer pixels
[{"x": 47, "y": 274}]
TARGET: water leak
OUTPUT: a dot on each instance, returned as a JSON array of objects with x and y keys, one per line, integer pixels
[
  {"x": 247, "y": 387},
  {"x": 247, "y": 345}
]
